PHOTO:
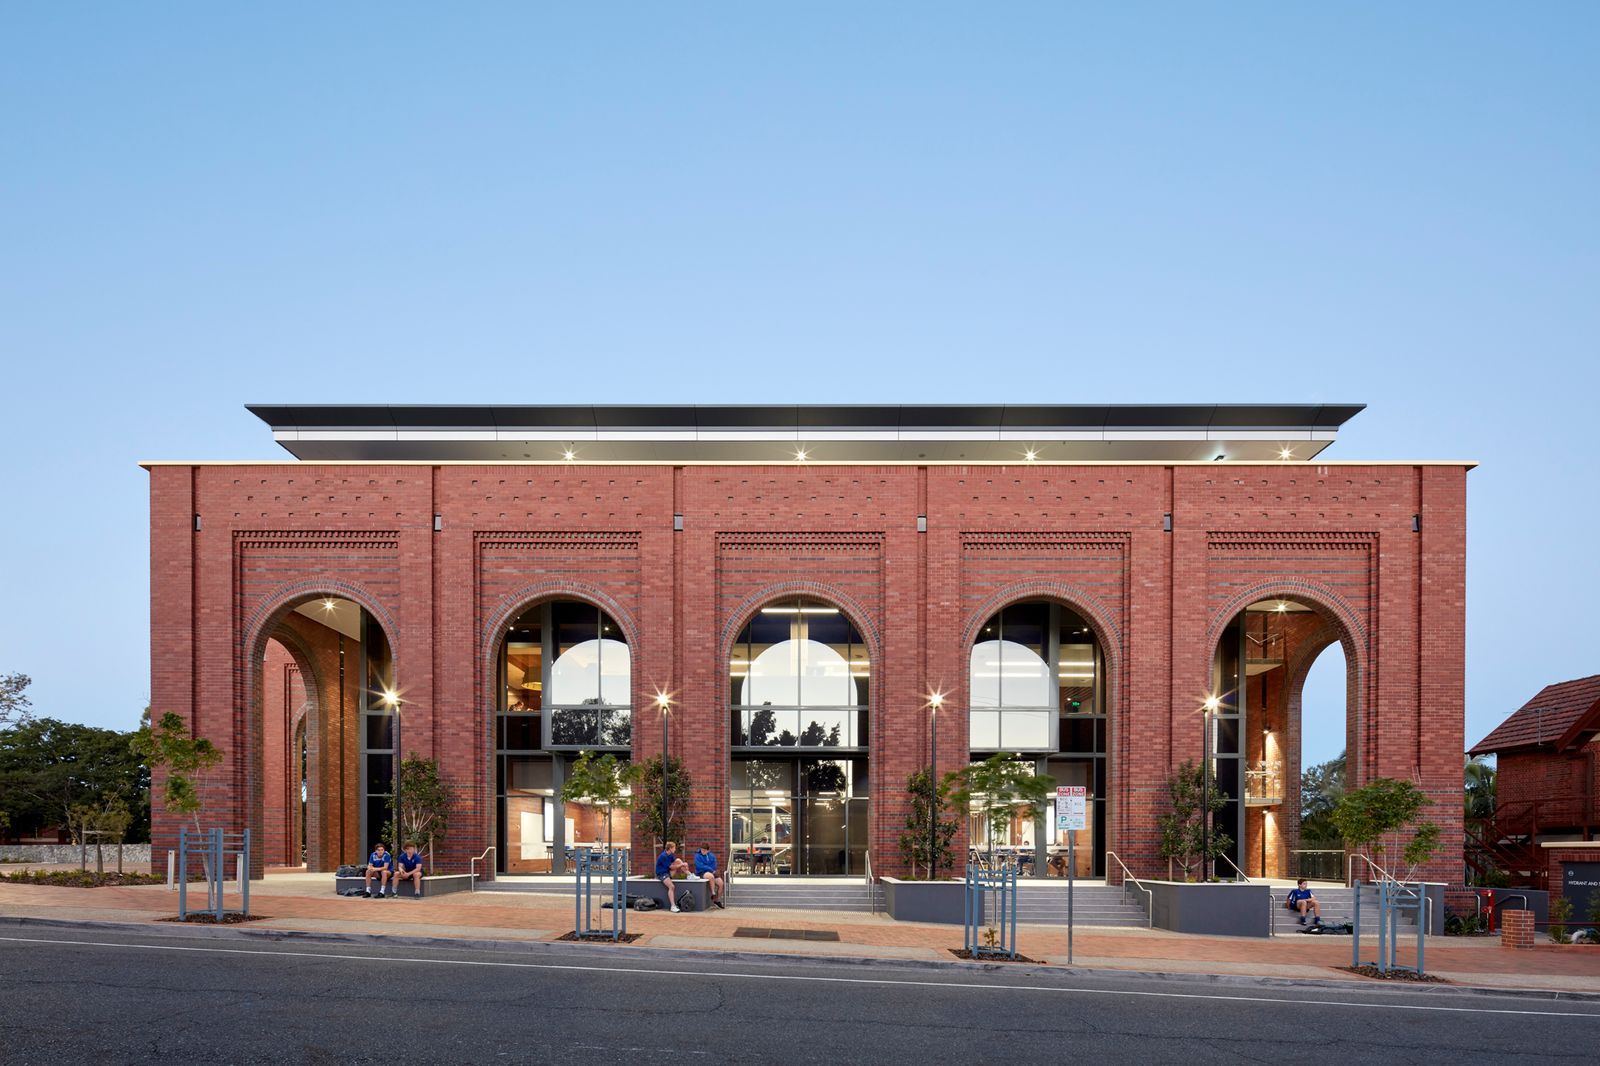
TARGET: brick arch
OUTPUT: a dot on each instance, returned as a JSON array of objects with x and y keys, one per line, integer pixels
[
  {"x": 307, "y": 717},
  {"x": 859, "y": 616},
  {"x": 1318, "y": 597},
  {"x": 1108, "y": 634},
  {"x": 262, "y": 624},
  {"x": 513, "y": 604}
]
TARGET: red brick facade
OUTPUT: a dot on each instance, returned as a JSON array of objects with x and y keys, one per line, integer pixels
[{"x": 1378, "y": 550}]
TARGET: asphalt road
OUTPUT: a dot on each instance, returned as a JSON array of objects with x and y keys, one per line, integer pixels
[{"x": 74, "y": 996}]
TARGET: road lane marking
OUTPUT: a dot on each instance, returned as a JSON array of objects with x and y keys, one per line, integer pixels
[{"x": 896, "y": 982}]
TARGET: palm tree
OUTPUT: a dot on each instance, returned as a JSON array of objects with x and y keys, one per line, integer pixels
[{"x": 1479, "y": 797}]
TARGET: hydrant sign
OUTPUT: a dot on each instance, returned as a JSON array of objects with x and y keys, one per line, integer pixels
[{"x": 1072, "y": 807}]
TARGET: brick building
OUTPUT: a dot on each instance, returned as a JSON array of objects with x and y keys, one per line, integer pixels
[
  {"x": 502, "y": 588},
  {"x": 1547, "y": 786}
]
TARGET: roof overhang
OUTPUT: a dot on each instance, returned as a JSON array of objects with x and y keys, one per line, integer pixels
[{"x": 950, "y": 433}]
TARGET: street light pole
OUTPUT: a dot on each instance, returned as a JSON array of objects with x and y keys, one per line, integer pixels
[
  {"x": 665, "y": 704},
  {"x": 933, "y": 785},
  {"x": 1211, "y": 705}
]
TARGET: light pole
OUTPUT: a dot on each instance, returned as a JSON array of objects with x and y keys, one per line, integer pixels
[
  {"x": 664, "y": 704},
  {"x": 1211, "y": 704},
  {"x": 933, "y": 788},
  {"x": 391, "y": 700}
]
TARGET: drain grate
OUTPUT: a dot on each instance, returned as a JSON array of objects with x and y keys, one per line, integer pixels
[{"x": 755, "y": 933}]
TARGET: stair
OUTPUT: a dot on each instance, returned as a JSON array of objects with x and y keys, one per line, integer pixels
[
  {"x": 1096, "y": 905},
  {"x": 1338, "y": 905},
  {"x": 808, "y": 894}
]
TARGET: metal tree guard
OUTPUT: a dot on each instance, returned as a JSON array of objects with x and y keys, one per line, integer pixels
[
  {"x": 996, "y": 938},
  {"x": 611, "y": 870},
  {"x": 1395, "y": 899},
  {"x": 212, "y": 846}
]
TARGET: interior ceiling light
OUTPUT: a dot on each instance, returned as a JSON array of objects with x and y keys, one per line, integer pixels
[{"x": 799, "y": 610}]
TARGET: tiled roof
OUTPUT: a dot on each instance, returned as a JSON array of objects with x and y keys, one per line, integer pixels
[{"x": 1561, "y": 714}]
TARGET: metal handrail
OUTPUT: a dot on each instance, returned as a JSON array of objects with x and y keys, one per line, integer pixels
[
  {"x": 1149, "y": 896},
  {"x": 472, "y": 866},
  {"x": 1349, "y": 871},
  {"x": 1242, "y": 875},
  {"x": 872, "y": 891}
]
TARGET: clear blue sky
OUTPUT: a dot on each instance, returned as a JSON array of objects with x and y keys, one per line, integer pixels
[{"x": 202, "y": 207}]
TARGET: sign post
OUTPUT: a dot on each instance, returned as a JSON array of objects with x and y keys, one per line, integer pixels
[{"x": 1072, "y": 803}]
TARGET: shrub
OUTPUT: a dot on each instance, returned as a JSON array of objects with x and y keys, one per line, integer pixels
[{"x": 1560, "y": 914}]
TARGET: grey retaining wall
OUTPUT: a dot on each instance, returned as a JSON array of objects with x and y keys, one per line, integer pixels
[{"x": 131, "y": 853}]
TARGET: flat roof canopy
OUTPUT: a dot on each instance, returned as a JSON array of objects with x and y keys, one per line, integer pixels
[{"x": 940, "y": 433}]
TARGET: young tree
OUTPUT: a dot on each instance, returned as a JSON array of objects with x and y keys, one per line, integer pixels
[
  {"x": 423, "y": 815},
  {"x": 187, "y": 760},
  {"x": 1183, "y": 828},
  {"x": 14, "y": 702},
  {"x": 605, "y": 782},
  {"x": 102, "y": 821},
  {"x": 1376, "y": 815},
  {"x": 647, "y": 798},
  {"x": 1001, "y": 787},
  {"x": 927, "y": 804}
]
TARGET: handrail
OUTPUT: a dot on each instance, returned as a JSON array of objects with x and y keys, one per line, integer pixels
[
  {"x": 1242, "y": 875},
  {"x": 1149, "y": 896},
  {"x": 872, "y": 891},
  {"x": 472, "y": 866},
  {"x": 1349, "y": 869}
]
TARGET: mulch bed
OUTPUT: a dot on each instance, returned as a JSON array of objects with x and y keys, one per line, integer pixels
[
  {"x": 962, "y": 953},
  {"x": 1373, "y": 972},
  {"x": 207, "y": 918},
  {"x": 574, "y": 938},
  {"x": 80, "y": 879}
]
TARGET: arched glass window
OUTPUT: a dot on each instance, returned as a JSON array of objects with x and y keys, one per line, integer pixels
[
  {"x": 798, "y": 678},
  {"x": 1031, "y": 663},
  {"x": 568, "y": 663}
]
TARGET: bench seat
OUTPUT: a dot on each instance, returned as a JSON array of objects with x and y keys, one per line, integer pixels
[
  {"x": 695, "y": 888},
  {"x": 432, "y": 885}
]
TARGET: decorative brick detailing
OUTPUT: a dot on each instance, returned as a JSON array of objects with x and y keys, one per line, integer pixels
[
  {"x": 326, "y": 540},
  {"x": 859, "y": 616},
  {"x": 560, "y": 540},
  {"x": 1053, "y": 541},
  {"x": 1516, "y": 929},
  {"x": 1318, "y": 541}
]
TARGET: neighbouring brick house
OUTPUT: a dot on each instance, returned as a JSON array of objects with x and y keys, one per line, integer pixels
[
  {"x": 1547, "y": 785},
  {"x": 502, "y": 588}
]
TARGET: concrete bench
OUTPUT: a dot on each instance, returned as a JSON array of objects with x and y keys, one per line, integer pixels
[
  {"x": 696, "y": 891},
  {"x": 432, "y": 885}
]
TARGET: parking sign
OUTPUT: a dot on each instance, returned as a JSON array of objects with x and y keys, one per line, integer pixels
[{"x": 1072, "y": 807}]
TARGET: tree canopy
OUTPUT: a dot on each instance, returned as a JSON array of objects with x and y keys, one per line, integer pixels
[{"x": 48, "y": 767}]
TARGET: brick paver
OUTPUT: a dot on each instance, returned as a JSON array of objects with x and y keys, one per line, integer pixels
[{"x": 307, "y": 903}]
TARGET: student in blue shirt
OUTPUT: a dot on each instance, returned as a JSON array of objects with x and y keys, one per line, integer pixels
[
  {"x": 667, "y": 864},
  {"x": 409, "y": 866},
  {"x": 1303, "y": 902},
  {"x": 705, "y": 867},
  {"x": 379, "y": 864}
]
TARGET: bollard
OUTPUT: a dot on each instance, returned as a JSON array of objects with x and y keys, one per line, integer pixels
[
  {"x": 1516, "y": 929},
  {"x": 172, "y": 882}
]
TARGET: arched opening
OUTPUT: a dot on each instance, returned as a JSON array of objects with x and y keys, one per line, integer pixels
[
  {"x": 328, "y": 727},
  {"x": 1258, "y": 739},
  {"x": 799, "y": 677},
  {"x": 565, "y": 685},
  {"x": 1037, "y": 687}
]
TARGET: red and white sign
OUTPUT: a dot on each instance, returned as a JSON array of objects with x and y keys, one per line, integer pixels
[{"x": 1072, "y": 807}]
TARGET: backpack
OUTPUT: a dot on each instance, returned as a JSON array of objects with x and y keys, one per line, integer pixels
[{"x": 349, "y": 871}]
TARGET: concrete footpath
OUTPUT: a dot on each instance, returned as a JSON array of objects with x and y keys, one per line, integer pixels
[{"x": 297, "y": 904}]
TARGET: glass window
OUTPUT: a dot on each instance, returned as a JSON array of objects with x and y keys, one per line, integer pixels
[
  {"x": 577, "y": 656},
  {"x": 799, "y": 673}
]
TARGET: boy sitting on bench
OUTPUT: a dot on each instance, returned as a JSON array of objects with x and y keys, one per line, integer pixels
[
  {"x": 409, "y": 868},
  {"x": 379, "y": 864}
]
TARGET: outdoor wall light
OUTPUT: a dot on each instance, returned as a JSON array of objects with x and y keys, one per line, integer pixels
[
  {"x": 568, "y": 454},
  {"x": 1212, "y": 703},
  {"x": 800, "y": 455}
]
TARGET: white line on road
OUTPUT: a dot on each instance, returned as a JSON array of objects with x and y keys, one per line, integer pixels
[{"x": 1275, "y": 1001}]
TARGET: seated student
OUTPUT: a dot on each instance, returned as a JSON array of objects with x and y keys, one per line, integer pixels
[
  {"x": 668, "y": 863},
  {"x": 705, "y": 867},
  {"x": 379, "y": 864},
  {"x": 408, "y": 867},
  {"x": 1303, "y": 902}
]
